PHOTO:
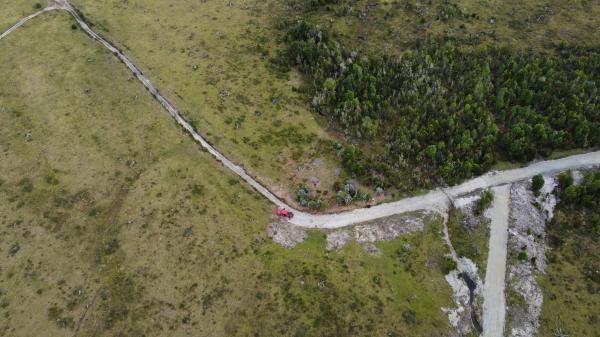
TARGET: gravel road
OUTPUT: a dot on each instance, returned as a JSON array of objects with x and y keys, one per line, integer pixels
[
  {"x": 494, "y": 302},
  {"x": 435, "y": 200}
]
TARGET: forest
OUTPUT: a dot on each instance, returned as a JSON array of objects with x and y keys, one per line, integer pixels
[{"x": 447, "y": 110}]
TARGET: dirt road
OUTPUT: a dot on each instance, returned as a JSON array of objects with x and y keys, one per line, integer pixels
[
  {"x": 24, "y": 20},
  {"x": 434, "y": 200},
  {"x": 494, "y": 302}
]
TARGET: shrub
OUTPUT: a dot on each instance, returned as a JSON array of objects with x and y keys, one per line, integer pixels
[
  {"x": 197, "y": 189},
  {"x": 537, "y": 182},
  {"x": 304, "y": 197},
  {"x": 565, "y": 180},
  {"x": 522, "y": 256},
  {"x": 485, "y": 202},
  {"x": 447, "y": 265}
]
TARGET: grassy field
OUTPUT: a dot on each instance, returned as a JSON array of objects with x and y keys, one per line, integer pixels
[
  {"x": 213, "y": 61},
  {"x": 391, "y": 26},
  {"x": 571, "y": 282},
  {"x": 13, "y": 11},
  {"x": 115, "y": 223}
]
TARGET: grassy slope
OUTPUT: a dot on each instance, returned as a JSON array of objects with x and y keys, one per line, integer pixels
[
  {"x": 110, "y": 204},
  {"x": 13, "y": 11},
  {"x": 194, "y": 51},
  {"x": 522, "y": 24},
  {"x": 571, "y": 299}
]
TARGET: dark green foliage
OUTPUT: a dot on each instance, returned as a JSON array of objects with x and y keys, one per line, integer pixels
[
  {"x": 485, "y": 202},
  {"x": 537, "y": 182},
  {"x": 447, "y": 265},
  {"x": 306, "y": 198},
  {"x": 522, "y": 256},
  {"x": 565, "y": 180},
  {"x": 348, "y": 193},
  {"x": 450, "y": 110}
]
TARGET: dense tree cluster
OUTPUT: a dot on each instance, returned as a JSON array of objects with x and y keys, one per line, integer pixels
[{"x": 451, "y": 110}]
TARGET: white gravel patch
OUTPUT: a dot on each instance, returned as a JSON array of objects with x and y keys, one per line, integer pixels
[
  {"x": 338, "y": 239},
  {"x": 458, "y": 317},
  {"x": 286, "y": 234}
]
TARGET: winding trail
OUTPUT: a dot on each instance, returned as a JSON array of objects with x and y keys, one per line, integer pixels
[
  {"x": 494, "y": 302},
  {"x": 25, "y": 19},
  {"x": 437, "y": 200}
]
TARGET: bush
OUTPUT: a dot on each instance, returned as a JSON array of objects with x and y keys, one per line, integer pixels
[
  {"x": 522, "y": 256},
  {"x": 565, "y": 180},
  {"x": 447, "y": 265},
  {"x": 349, "y": 193},
  {"x": 485, "y": 202},
  {"x": 537, "y": 182},
  {"x": 304, "y": 197}
]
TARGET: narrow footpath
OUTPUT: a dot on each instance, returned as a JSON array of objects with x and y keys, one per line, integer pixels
[{"x": 494, "y": 302}]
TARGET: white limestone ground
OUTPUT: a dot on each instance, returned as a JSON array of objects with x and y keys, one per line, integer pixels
[{"x": 527, "y": 234}]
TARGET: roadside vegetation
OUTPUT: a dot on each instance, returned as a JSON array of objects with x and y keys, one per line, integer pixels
[
  {"x": 571, "y": 284},
  {"x": 115, "y": 223},
  {"x": 470, "y": 238}
]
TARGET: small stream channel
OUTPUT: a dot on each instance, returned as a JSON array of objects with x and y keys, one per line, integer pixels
[{"x": 472, "y": 286}]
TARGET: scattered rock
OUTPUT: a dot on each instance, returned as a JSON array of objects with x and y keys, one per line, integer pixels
[
  {"x": 286, "y": 234},
  {"x": 317, "y": 162},
  {"x": 29, "y": 136},
  {"x": 313, "y": 180},
  {"x": 577, "y": 177},
  {"x": 370, "y": 248},
  {"x": 388, "y": 228},
  {"x": 337, "y": 240},
  {"x": 527, "y": 233},
  {"x": 459, "y": 316},
  {"x": 224, "y": 93}
]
